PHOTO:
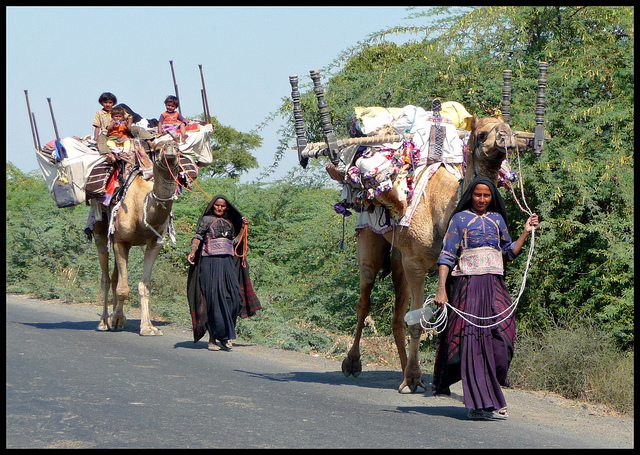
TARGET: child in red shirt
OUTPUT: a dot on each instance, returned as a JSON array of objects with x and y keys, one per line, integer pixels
[
  {"x": 119, "y": 132},
  {"x": 172, "y": 121}
]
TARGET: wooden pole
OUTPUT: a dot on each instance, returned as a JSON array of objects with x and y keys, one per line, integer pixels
[
  {"x": 329, "y": 135},
  {"x": 31, "y": 120},
  {"x": 175, "y": 85},
  {"x": 301, "y": 138},
  {"x": 204, "y": 93},
  {"x": 60, "y": 149},
  {"x": 539, "y": 136},
  {"x": 506, "y": 96},
  {"x": 35, "y": 125}
]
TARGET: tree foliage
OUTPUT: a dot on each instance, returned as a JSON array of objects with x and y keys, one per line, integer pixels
[
  {"x": 582, "y": 186},
  {"x": 231, "y": 151}
]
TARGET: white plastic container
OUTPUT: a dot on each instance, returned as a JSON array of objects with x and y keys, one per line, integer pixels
[{"x": 415, "y": 316}]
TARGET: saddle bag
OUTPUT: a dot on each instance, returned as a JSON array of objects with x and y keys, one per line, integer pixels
[
  {"x": 63, "y": 192},
  {"x": 96, "y": 185}
]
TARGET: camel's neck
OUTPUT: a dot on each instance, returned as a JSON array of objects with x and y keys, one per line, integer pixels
[
  {"x": 160, "y": 201},
  {"x": 476, "y": 166},
  {"x": 164, "y": 185}
]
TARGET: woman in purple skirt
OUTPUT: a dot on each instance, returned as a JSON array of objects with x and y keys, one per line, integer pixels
[{"x": 477, "y": 348}]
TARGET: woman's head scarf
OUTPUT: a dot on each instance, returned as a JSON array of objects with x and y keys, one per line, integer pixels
[
  {"x": 232, "y": 214},
  {"x": 497, "y": 202}
]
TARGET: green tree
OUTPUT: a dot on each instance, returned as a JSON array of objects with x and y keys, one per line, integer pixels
[{"x": 231, "y": 151}]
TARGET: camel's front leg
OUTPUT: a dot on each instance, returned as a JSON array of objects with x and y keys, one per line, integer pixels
[
  {"x": 371, "y": 250},
  {"x": 121, "y": 253},
  {"x": 352, "y": 364},
  {"x": 415, "y": 274},
  {"x": 105, "y": 284},
  {"x": 150, "y": 256},
  {"x": 402, "y": 300}
]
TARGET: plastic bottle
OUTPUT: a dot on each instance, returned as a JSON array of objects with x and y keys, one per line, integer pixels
[{"x": 414, "y": 316}]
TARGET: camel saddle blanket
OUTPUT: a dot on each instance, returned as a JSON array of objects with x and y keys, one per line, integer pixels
[
  {"x": 372, "y": 171},
  {"x": 378, "y": 219},
  {"x": 436, "y": 136},
  {"x": 196, "y": 146}
]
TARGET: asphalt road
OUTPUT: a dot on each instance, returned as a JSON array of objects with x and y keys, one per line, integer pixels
[{"x": 69, "y": 386}]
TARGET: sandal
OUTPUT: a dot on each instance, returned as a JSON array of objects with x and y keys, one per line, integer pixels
[
  {"x": 501, "y": 414},
  {"x": 226, "y": 345}
]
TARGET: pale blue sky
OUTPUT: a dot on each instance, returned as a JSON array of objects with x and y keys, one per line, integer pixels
[{"x": 73, "y": 54}]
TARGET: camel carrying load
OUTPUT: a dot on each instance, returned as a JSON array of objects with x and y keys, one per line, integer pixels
[
  {"x": 140, "y": 214},
  {"x": 406, "y": 193},
  {"x": 67, "y": 163}
]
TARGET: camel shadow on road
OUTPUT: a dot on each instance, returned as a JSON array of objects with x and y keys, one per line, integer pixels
[
  {"x": 374, "y": 379},
  {"x": 132, "y": 325}
]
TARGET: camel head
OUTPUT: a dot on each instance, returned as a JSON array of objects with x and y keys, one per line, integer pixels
[
  {"x": 395, "y": 199},
  {"x": 166, "y": 168},
  {"x": 490, "y": 141}
]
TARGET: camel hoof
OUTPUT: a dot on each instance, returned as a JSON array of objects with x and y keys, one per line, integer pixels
[
  {"x": 118, "y": 323},
  {"x": 103, "y": 327},
  {"x": 351, "y": 367},
  {"x": 412, "y": 387},
  {"x": 150, "y": 331}
]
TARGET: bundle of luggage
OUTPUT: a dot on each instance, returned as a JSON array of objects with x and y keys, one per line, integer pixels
[
  {"x": 371, "y": 171},
  {"x": 74, "y": 170}
]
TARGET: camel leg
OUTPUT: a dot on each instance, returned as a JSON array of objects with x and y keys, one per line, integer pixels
[
  {"x": 105, "y": 284},
  {"x": 402, "y": 300},
  {"x": 371, "y": 250},
  {"x": 415, "y": 275},
  {"x": 150, "y": 255},
  {"x": 121, "y": 253},
  {"x": 114, "y": 286}
]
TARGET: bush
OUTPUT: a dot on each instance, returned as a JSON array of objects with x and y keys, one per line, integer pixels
[{"x": 580, "y": 362}]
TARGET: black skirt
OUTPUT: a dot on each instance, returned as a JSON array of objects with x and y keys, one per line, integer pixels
[{"x": 221, "y": 294}]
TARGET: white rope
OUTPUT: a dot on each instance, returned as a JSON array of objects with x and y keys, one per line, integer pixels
[{"x": 144, "y": 217}]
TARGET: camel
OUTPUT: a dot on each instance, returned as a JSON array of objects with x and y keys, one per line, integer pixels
[
  {"x": 418, "y": 246},
  {"x": 142, "y": 219}
]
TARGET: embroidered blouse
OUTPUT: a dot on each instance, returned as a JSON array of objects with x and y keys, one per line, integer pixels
[
  {"x": 486, "y": 230},
  {"x": 217, "y": 236}
]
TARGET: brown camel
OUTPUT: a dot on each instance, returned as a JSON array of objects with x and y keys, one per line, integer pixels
[
  {"x": 142, "y": 219},
  {"x": 418, "y": 245}
]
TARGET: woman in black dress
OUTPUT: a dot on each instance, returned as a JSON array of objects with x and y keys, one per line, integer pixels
[{"x": 215, "y": 289}]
